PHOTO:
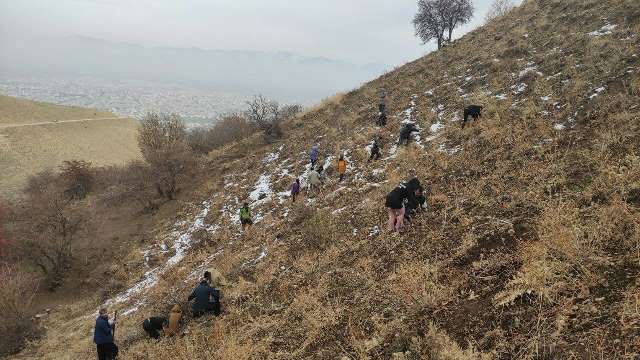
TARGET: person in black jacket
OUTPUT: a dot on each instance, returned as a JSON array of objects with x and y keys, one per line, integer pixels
[
  {"x": 405, "y": 133},
  {"x": 396, "y": 200},
  {"x": 414, "y": 204},
  {"x": 207, "y": 299},
  {"x": 154, "y": 325},
  {"x": 375, "y": 150}
]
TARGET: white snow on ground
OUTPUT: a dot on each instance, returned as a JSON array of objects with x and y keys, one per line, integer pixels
[
  {"x": 262, "y": 189},
  {"x": 519, "y": 89},
  {"x": 597, "y": 92},
  {"x": 546, "y": 98},
  {"x": 449, "y": 151},
  {"x": 183, "y": 240},
  {"x": 260, "y": 256},
  {"x": 271, "y": 157},
  {"x": 338, "y": 211},
  {"x": 531, "y": 68},
  {"x": 283, "y": 196},
  {"x": 501, "y": 97},
  {"x": 374, "y": 231},
  {"x": 605, "y": 30},
  {"x": 377, "y": 172},
  {"x": 429, "y": 92},
  {"x": 559, "y": 127},
  {"x": 435, "y": 128}
]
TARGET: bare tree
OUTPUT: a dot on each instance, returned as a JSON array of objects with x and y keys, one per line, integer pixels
[
  {"x": 437, "y": 17},
  {"x": 163, "y": 142},
  {"x": 46, "y": 227},
  {"x": 457, "y": 12},
  {"x": 228, "y": 128},
  {"x": 499, "y": 8},
  {"x": 265, "y": 114}
]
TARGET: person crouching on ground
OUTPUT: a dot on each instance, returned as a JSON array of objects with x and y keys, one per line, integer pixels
[
  {"x": 103, "y": 337},
  {"x": 395, "y": 203},
  {"x": 174, "y": 321},
  {"x": 207, "y": 299},
  {"x": 342, "y": 167},
  {"x": 245, "y": 216},
  {"x": 153, "y": 326}
]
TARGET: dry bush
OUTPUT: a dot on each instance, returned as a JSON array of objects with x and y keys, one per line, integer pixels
[
  {"x": 268, "y": 115},
  {"x": 47, "y": 225},
  {"x": 227, "y": 129},
  {"x": 131, "y": 183},
  {"x": 16, "y": 298},
  {"x": 437, "y": 345},
  {"x": 163, "y": 143},
  {"x": 78, "y": 178}
]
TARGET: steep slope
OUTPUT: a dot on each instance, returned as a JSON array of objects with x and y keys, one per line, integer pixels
[
  {"x": 530, "y": 247},
  {"x": 36, "y": 136}
]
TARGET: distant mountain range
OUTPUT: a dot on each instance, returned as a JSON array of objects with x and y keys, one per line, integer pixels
[{"x": 283, "y": 76}]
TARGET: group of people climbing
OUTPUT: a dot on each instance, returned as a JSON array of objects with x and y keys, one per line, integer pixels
[
  {"x": 206, "y": 300},
  {"x": 402, "y": 204}
]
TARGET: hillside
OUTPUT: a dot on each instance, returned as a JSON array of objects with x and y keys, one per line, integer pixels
[
  {"x": 36, "y": 136},
  {"x": 530, "y": 248}
]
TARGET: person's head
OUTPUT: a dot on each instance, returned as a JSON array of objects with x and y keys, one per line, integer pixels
[
  {"x": 297, "y": 181},
  {"x": 103, "y": 313},
  {"x": 207, "y": 275},
  {"x": 245, "y": 205},
  {"x": 341, "y": 157}
]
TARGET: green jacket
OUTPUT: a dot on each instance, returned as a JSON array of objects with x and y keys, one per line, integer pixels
[{"x": 245, "y": 214}]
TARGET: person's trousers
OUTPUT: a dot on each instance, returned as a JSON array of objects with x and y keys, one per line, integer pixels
[
  {"x": 213, "y": 307},
  {"x": 107, "y": 351},
  {"x": 396, "y": 219}
]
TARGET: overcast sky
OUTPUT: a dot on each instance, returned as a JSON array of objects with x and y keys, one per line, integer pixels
[{"x": 359, "y": 31}]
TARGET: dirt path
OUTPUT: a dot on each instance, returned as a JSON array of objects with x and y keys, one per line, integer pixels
[{"x": 7, "y": 126}]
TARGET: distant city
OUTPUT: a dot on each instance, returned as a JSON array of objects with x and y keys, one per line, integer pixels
[{"x": 127, "y": 98}]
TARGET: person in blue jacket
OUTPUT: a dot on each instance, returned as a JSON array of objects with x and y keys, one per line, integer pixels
[
  {"x": 313, "y": 155},
  {"x": 103, "y": 337},
  {"x": 207, "y": 299}
]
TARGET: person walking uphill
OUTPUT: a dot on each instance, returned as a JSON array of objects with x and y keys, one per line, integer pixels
[
  {"x": 245, "y": 216},
  {"x": 207, "y": 299},
  {"x": 314, "y": 180},
  {"x": 313, "y": 155},
  {"x": 295, "y": 189},
  {"x": 395, "y": 202},
  {"x": 103, "y": 337},
  {"x": 375, "y": 150},
  {"x": 342, "y": 167}
]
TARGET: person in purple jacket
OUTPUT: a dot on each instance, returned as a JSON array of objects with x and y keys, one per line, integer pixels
[{"x": 295, "y": 189}]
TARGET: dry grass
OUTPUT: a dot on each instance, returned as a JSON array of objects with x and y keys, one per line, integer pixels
[
  {"x": 530, "y": 248},
  {"x": 26, "y": 151}
]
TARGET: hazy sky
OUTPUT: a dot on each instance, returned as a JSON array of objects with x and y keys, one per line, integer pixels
[{"x": 359, "y": 31}]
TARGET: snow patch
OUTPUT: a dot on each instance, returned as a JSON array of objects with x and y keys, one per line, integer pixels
[{"x": 605, "y": 30}]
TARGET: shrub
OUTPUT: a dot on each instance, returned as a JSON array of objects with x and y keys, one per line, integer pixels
[
  {"x": 16, "y": 298},
  {"x": 163, "y": 142},
  {"x": 78, "y": 178},
  {"x": 229, "y": 128}
]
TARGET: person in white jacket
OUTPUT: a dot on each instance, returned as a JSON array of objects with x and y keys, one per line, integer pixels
[{"x": 315, "y": 180}]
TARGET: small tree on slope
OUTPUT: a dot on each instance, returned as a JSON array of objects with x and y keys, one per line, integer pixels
[
  {"x": 437, "y": 17},
  {"x": 499, "y": 8}
]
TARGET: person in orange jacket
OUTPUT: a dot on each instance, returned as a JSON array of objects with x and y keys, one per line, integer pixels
[
  {"x": 174, "y": 321},
  {"x": 342, "y": 167}
]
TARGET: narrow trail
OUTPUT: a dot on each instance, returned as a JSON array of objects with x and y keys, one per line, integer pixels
[{"x": 8, "y": 126}]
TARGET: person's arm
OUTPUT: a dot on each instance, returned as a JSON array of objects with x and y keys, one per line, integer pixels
[{"x": 192, "y": 296}]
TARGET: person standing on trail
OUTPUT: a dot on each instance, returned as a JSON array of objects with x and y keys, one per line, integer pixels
[
  {"x": 375, "y": 150},
  {"x": 295, "y": 189},
  {"x": 245, "y": 216},
  {"x": 103, "y": 337},
  {"x": 153, "y": 326},
  {"x": 314, "y": 180},
  {"x": 342, "y": 167},
  {"x": 395, "y": 203},
  {"x": 207, "y": 300},
  {"x": 174, "y": 321},
  {"x": 313, "y": 154}
]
